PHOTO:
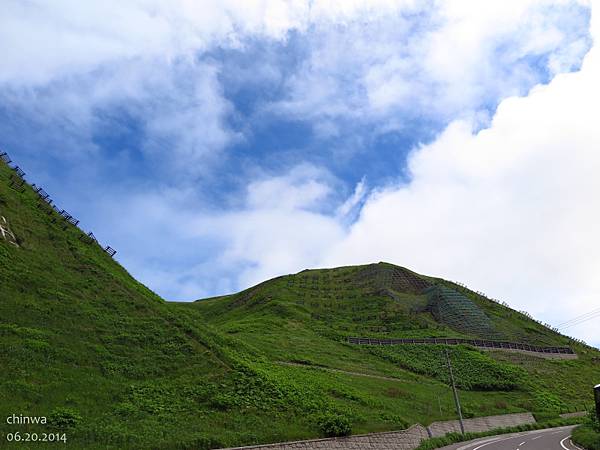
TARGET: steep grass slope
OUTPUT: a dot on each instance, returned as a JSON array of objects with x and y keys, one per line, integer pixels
[
  {"x": 107, "y": 361},
  {"x": 111, "y": 365}
]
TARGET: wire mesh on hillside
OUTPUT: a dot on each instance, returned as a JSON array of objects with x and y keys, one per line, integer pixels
[
  {"x": 458, "y": 312},
  {"x": 383, "y": 276},
  {"x": 483, "y": 343}
]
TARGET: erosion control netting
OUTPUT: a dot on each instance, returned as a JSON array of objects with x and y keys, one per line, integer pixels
[
  {"x": 17, "y": 182},
  {"x": 382, "y": 276},
  {"x": 458, "y": 312},
  {"x": 483, "y": 343}
]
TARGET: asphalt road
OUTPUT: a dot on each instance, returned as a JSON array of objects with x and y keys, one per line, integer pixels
[{"x": 548, "y": 439}]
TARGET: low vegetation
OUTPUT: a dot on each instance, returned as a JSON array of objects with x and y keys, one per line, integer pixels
[
  {"x": 474, "y": 369},
  {"x": 588, "y": 434}
]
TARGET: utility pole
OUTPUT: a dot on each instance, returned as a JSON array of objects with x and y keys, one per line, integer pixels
[{"x": 454, "y": 391}]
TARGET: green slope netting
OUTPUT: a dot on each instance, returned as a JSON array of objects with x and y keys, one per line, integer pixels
[
  {"x": 458, "y": 312},
  {"x": 385, "y": 276}
]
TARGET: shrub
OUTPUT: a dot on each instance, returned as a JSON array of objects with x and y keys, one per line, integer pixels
[
  {"x": 468, "y": 414},
  {"x": 548, "y": 402},
  {"x": 397, "y": 420},
  {"x": 62, "y": 417},
  {"x": 585, "y": 436},
  {"x": 223, "y": 401},
  {"x": 198, "y": 441},
  {"x": 543, "y": 416},
  {"x": 332, "y": 425}
]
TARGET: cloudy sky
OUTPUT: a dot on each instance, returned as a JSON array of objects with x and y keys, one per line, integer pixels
[{"x": 215, "y": 144}]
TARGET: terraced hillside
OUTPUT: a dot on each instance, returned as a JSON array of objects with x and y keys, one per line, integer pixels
[
  {"x": 112, "y": 365},
  {"x": 307, "y": 319},
  {"x": 377, "y": 300}
]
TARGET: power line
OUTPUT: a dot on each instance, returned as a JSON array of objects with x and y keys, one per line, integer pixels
[
  {"x": 574, "y": 319},
  {"x": 580, "y": 319},
  {"x": 580, "y": 322}
]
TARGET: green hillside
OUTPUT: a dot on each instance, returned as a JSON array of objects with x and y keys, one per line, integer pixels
[
  {"x": 112, "y": 365},
  {"x": 306, "y": 318}
]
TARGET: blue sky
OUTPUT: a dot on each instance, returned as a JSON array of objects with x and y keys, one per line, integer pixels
[{"x": 218, "y": 144}]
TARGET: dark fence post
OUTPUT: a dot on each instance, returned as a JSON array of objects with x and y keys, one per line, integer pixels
[{"x": 597, "y": 398}]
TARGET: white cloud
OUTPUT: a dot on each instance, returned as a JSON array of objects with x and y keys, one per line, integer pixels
[
  {"x": 303, "y": 187},
  {"x": 44, "y": 41},
  {"x": 77, "y": 69},
  {"x": 459, "y": 57},
  {"x": 185, "y": 122},
  {"x": 370, "y": 50},
  {"x": 280, "y": 228},
  {"x": 354, "y": 201},
  {"x": 66, "y": 62},
  {"x": 274, "y": 242},
  {"x": 176, "y": 111}
]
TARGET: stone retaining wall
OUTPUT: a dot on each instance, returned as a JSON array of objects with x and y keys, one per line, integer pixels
[
  {"x": 395, "y": 440},
  {"x": 574, "y": 414},
  {"x": 480, "y": 424},
  {"x": 530, "y": 353},
  {"x": 400, "y": 440}
]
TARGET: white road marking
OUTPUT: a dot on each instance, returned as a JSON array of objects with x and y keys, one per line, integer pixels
[
  {"x": 522, "y": 443},
  {"x": 488, "y": 443},
  {"x": 563, "y": 445},
  {"x": 466, "y": 447},
  {"x": 576, "y": 446},
  {"x": 495, "y": 440}
]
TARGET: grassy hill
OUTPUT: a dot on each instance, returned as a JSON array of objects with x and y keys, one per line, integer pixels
[
  {"x": 305, "y": 319},
  {"x": 112, "y": 365}
]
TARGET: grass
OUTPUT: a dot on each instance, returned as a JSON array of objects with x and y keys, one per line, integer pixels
[
  {"x": 587, "y": 437},
  {"x": 588, "y": 434},
  {"x": 115, "y": 366},
  {"x": 474, "y": 370}
]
